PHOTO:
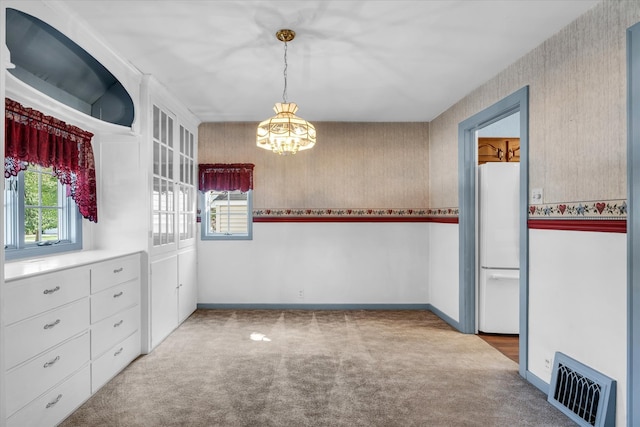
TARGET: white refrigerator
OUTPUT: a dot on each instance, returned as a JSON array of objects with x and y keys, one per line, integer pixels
[{"x": 499, "y": 278}]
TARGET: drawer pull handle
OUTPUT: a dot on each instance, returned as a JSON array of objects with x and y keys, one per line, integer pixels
[
  {"x": 53, "y": 402},
  {"x": 115, "y": 325},
  {"x": 50, "y": 291},
  {"x": 118, "y": 352},
  {"x": 118, "y": 270},
  {"x": 51, "y": 325},
  {"x": 51, "y": 362},
  {"x": 119, "y": 294}
]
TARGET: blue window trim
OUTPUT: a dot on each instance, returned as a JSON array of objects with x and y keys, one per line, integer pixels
[
  {"x": 34, "y": 251},
  {"x": 205, "y": 219}
]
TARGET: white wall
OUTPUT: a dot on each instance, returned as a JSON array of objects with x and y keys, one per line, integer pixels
[
  {"x": 578, "y": 303},
  {"x": 123, "y": 204},
  {"x": 443, "y": 269},
  {"x": 332, "y": 263}
]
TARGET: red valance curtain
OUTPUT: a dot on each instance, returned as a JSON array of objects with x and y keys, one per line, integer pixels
[
  {"x": 225, "y": 177},
  {"x": 32, "y": 137}
]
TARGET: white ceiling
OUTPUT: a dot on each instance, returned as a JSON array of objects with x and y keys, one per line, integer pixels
[{"x": 350, "y": 61}]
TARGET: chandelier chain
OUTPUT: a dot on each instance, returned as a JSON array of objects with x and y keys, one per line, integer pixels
[{"x": 284, "y": 92}]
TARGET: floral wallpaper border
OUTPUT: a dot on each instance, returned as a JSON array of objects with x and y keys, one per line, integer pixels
[
  {"x": 604, "y": 209},
  {"x": 356, "y": 213}
]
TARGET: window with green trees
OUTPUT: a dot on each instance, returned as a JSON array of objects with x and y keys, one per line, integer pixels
[{"x": 40, "y": 217}]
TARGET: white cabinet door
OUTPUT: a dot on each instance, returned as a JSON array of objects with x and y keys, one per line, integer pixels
[
  {"x": 188, "y": 295},
  {"x": 164, "y": 298},
  {"x": 173, "y": 170}
]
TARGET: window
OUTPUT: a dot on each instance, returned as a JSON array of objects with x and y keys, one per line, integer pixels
[
  {"x": 50, "y": 183},
  {"x": 163, "y": 183},
  {"x": 40, "y": 217},
  {"x": 186, "y": 186},
  {"x": 227, "y": 214},
  {"x": 226, "y": 192}
]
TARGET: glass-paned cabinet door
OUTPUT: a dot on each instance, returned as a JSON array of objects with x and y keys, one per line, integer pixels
[
  {"x": 186, "y": 186},
  {"x": 163, "y": 198}
]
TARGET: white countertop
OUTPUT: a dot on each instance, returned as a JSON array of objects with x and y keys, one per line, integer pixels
[{"x": 19, "y": 269}]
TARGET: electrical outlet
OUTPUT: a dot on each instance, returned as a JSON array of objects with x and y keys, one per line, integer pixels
[
  {"x": 548, "y": 363},
  {"x": 536, "y": 196},
  {"x": 301, "y": 293}
]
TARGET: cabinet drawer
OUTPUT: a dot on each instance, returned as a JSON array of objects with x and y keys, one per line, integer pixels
[
  {"x": 113, "y": 329},
  {"x": 28, "y": 297},
  {"x": 56, "y": 404},
  {"x": 28, "y": 338},
  {"x": 114, "y": 299},
  {"x": 28, "y": 381},
  {"x": 114, "y": 360},
  {"x": 110, "y": 273}
]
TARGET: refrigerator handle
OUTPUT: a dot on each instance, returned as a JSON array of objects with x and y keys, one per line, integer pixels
[{"x": 504, "y": 277}]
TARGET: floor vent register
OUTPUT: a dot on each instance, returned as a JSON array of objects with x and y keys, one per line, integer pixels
[{"x": 583, "y": 394}]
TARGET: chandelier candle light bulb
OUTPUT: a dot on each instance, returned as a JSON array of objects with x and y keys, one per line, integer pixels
[{"x": 285, "y": 133}]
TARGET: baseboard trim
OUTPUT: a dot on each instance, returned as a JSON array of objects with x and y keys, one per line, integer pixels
[
  {"x": 302, "y": 306},
  {"x": 454, "y": 323},
  {"x": 538, "y": 383}
]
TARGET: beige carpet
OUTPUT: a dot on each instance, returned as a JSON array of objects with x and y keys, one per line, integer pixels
[{"x": 319, "y": 368}]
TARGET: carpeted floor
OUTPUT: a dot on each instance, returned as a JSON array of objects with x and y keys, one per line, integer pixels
[{"x": 319, "y": 368}]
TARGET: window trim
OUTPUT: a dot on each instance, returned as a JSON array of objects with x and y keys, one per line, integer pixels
[
  {"x": 206, "y": 215},
  {"x": 25, "y": 251}
]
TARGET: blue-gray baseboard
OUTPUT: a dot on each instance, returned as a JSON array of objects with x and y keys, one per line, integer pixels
[{"x": 538, "y": 383}]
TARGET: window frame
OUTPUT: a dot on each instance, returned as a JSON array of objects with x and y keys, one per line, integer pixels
[
  {"x": 14, "y": 223},
  {"x": 187, "y": 186},
  {"x": 206, "y": 218}
]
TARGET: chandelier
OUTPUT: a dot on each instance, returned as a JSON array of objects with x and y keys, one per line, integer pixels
[{"x": 285, "y": 133}]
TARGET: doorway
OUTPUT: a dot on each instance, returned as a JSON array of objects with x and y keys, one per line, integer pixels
[
  {"x": 497, "y": 241},
  {"x": 467, "y": 189}
]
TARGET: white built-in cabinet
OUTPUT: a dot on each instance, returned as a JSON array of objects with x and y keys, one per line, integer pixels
[
  {"x": 64, "y": 331},
  {"x": 147, "y": 201},
  {"x": 188, "y": 288},
  {"x": 165, "y": 297},
  {"x": 172, "y": 242},
  {"x": 174, "y": 293},
  {"x": 71, "y": 326}
]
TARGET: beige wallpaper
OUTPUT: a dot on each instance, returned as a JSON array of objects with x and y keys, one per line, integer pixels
[
  {"x": 577, "y": 146},
  {"x": 353, "y": 165},
  {"x": 577, "y": 84}
]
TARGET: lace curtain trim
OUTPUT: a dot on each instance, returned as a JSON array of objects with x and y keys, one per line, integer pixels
[{"x": 34, "y": 138}]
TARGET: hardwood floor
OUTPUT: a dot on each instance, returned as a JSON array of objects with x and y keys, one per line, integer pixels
[{"x": 505, "y": 344}]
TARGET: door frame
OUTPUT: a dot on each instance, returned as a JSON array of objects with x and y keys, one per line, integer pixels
[
  {"x": 467, "y": 164},
  {"x": 633, "y": 225}
]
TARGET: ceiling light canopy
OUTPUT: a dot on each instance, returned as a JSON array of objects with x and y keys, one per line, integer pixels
[{"x": 285, "y": 133}]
